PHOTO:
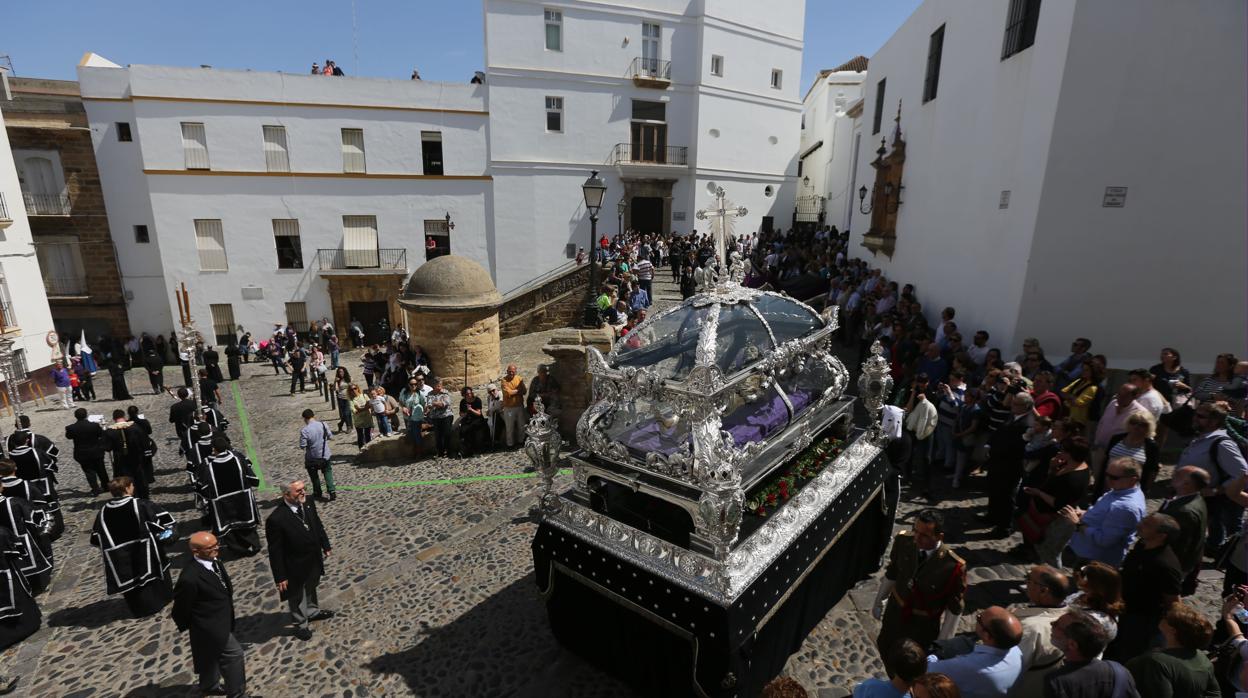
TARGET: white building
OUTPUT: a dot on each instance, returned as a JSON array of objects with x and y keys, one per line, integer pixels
[
  {"x": 282, "y": 198},
  {"x": 25, "y": 317},
  {"x": 826, "y": 159},
  {"x": 1071, "y": 168},
  {"x": 663, "y": 97}
]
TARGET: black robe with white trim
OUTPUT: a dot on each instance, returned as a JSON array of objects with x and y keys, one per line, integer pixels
[
  {"x": 215, "y": 419},
  {"x": 128, "y": 531},
  {"x": 37, "y": 461},
  {"x": 19, "y": 615},
  {"x": 28, "y": 526},
  {"x": 225, "y": 481}
]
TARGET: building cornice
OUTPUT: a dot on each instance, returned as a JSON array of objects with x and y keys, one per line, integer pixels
[
  {"x": 279, "y": 103},
  {"x": 346, "y": 175}
]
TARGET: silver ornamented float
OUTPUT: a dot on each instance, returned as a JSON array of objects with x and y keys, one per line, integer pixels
[{"x": 673, "y": 514}]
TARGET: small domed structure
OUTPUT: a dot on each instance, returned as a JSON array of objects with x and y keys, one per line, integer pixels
[{"x": 451, "y": 310}]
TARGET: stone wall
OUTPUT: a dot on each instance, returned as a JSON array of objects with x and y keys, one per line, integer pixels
[
  {"x": 42, "y": 120},
  {"x": 568, "y": 350},
  {"x": 546, "y": 305},
  {"x": 447, "y": 335},
  {"x": 347, "y": 288}
]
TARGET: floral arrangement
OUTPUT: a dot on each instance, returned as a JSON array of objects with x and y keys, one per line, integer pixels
[{"x": 790, "y": 481}]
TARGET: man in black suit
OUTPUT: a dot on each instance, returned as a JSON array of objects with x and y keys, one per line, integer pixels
[
  {"x": 88, "y": 438},
  {"x": 203, "y": 603},
  {"x": 297, "y": 544}
]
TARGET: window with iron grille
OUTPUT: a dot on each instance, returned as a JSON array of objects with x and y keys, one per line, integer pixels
[
  {"x": 286, "y": 239},
  {"x": 210, "y": 243},
  {"x": 554, "y": 114},
  {"x": 276, "y": 156},
  {"x": 141, "y": 236},
  {"x": 1020, "y": 27},
  {"x": 717, "y": 66},
  {"x": 8, "y": 317},
  {"x": 879, "y": 107},
  {"x": 777, "y": 78},
  {"x": 935, "y": 47},
  {"x": 297, "y": 316},
  {"x": 353, "y": 150},
  {"x": 554, "y": 30},
  {"x": 194, "y": 146},
  {"x": 431, "y": 152},
  {"x": 123, "y": 132}
]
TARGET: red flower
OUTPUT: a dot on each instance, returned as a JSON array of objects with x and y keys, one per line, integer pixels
[{"x": 771, "y": 497}]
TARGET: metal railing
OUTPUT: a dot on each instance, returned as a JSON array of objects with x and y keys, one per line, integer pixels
[
  {"x": 65, "y": 286},
  {"x": 650, "y": 69},
  {"x": 381, "y": 258},
  {"x": 640, "y": 153},
  {"x": 4, "y": 210},
  {"x": 46, "y": 204}
]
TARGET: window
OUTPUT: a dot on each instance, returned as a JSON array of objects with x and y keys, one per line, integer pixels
[
  {"x": 717, "y": 66},
  {"x": 777, "y": 76},
  {"x": 194, "y": 146},
  {"x": 286, "y": 239},
  {"x": 210, "y": 242},
  {"x": 1020, "y": 26},
  {"x": 141, "y": 235},
  {"x": 223, "y": 323},
  {"x": 431, "y": 151},
  {"x": 651, "y": 53},
  {"x": 649, "y": 111},
  {"x": 20, "y": 367},
  {"x": 554, "y": 114},
  {"x": 353, "y": 150},
  {"x": 123, "y": 132},
  {"x": 879, "y": 107},
  {"x": 60, "y": 262},
  {"x": 437, "y": 238},
  {"x": 935, "y": 46},
  {"x": 8, "y": 318},
  {"x": 276, "y": 158},
  {"x": 554, "y": 30},
  {"x": 297, "y": 316},
  {"x": 359, "y": 242}
]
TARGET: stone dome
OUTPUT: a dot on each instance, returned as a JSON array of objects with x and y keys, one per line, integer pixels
[{"x": 450, "y": 282}]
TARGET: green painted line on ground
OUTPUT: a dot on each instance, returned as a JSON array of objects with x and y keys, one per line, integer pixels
[
  {"x": 247, "y": 438},
  {"x": 451, "y": 481}
]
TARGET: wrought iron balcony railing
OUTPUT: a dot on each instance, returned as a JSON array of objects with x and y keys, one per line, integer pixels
[
  {"x": 4, "y": 210},
  {"x": 650, "y": 69},
  {"x": 61, "y": 286},
  {"x": 386, "y": 259},
  {"x": 643, "y": 154},
  {"x": 46, "y": 204}
]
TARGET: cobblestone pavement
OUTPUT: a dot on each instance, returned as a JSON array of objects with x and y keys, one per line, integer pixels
[{"x": 431, "y": 575}]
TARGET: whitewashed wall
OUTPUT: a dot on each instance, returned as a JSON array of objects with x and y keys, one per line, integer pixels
[
  {"x": 21, "y": 268},
  {"x": 829, "y": 166}
]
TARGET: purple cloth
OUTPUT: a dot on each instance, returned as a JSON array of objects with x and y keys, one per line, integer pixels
[{"x": 746, "y": 424}]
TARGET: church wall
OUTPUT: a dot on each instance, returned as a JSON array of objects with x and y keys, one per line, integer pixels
[
  {"x": 987, "y": 130},
  {"x": 1167, "y": 269}
]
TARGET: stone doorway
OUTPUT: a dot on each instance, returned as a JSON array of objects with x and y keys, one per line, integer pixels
[
  {"x": 375, "y": 317},
  {"x": 647, "y": 214}
]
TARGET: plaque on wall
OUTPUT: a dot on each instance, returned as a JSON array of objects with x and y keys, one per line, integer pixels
[
  {"x": 678, "y": 215},
  {"x": 1115, "y": 197}
]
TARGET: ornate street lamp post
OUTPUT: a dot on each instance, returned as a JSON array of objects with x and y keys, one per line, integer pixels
[{"x": 593, "y": 189}]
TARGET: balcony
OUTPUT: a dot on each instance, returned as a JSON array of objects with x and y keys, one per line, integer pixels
[
  {"x": 651, "y": 72},
  {"x": 641, "y": 157},
  {"x": 46, "y": 204},
  {"x": 375, "y": 261},
  {"x": 65, "y": 286},
  {"x": 5, "y": 219}
]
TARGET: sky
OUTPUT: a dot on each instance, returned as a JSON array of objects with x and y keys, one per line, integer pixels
[{"x": 441, "y": 38}]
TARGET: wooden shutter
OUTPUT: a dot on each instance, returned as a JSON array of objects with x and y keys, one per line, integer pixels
[
  {"x": 297, "y": 316},
  {"x": 222, "y": 322},
  {"x": 353, "y": 150},
  {"x": 276, "y": 157},
  {"x": 210, "y": 242},
  {"x": 359, "y": 241},
  {"x": 195, "y": 146}
]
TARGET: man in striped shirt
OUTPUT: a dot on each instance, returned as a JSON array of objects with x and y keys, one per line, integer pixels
[{"x": 644, "y": 270}]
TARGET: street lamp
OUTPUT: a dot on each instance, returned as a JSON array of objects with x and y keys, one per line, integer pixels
[
  {"x": 593, "y": 189},
  {"x": 619, "y": 210}
]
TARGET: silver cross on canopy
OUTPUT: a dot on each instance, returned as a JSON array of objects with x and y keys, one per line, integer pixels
[{"x": 721, "y": 218}]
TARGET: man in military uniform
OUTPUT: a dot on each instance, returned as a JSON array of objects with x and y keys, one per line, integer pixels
[{"x": 924, "y": 579}]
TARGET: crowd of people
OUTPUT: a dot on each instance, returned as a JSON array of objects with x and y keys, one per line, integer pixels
[{"x": 1066, "y": 456}]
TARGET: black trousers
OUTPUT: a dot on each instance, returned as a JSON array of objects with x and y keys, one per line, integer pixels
[
  {"x": 1003, "y": 479},
  {"x": 158, "y": 381},
  {"x": 297, "y": 374},
  {"x": 93, "y": 468},
  {"x": 228, "y": 666}
]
